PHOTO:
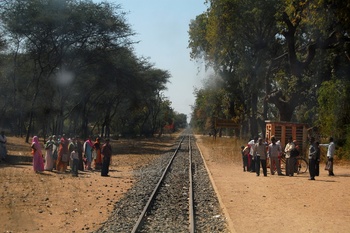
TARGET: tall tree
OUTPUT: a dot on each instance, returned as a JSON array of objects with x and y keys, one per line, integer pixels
[
  {"x": 237, "y": 38},
  {"x": 271, "y": 44},
  {"x": 57, "y": 33},
  {"x": 308, "y": 28}
]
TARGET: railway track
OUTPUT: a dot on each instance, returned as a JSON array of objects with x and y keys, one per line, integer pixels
[{"x": 181, "y": 200}]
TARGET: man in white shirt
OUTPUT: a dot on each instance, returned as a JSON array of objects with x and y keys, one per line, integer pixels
[
  {"x": 251, "y": 158},
  {"x": 260, "y": 157},
  {"x": 290, "y": 161},
  {"x": 330, "y": 155}
]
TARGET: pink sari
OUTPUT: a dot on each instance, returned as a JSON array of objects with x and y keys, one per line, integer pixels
[{"x": 38, "y": 162}]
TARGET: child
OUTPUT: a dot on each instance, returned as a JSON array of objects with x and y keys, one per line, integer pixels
[
  {"x": 75, "y": 157},
  {"x": 245, "y": 151}
]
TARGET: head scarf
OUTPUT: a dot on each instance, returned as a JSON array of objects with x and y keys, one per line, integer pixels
[
  {"x": 35, "y": 139},
  {"x": 36, "y": 143},
  {"x": 89, "y": 142}
]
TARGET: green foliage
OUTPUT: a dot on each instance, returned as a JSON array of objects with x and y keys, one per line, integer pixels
[
  {"x": 343, "y": 152},
  {"x": 234, "y": 37},
  {"x": 212, "y": 102},
  {"x": 180, "y": 120},
  {"x": 281, "y": 60},
  {"x": 332, "y": 108}
]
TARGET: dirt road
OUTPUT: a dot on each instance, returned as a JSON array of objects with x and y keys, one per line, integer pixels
[{"x": 278, "y": 203}]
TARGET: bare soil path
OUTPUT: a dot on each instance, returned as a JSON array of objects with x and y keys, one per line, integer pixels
[
  {"x": 277, "y": 203},
  {"x": 53, "y": 202}
]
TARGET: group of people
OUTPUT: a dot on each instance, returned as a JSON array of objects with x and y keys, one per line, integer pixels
[
  {"x": 62, "y": 152},
  {"x": 257, "y": 151}
]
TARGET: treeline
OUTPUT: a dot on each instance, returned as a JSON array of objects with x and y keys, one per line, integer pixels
[
  {"x": 68, "y": 66},
  {"x": 274, "y": 60}
]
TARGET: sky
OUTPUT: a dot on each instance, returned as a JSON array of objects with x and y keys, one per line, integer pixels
[{"x": 162, "y": 31}]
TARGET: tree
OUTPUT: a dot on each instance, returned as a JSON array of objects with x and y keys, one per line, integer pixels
[
  {"x": 306, "y": 27},
  {"x": 333, "y": 108},
  {"x": 271, "y": 44},
  {"x": 180, "y": 120},
  {"x": 237, "y": 38},
  {"x": 63, "y": 36}
]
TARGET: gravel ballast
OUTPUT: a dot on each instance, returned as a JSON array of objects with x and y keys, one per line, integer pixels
[{"x": 171, "y": 214}]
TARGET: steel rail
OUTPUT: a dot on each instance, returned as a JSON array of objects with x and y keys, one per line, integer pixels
[
  {"x": 191, "y": 205},
  {"x": 141, "y": 218}
]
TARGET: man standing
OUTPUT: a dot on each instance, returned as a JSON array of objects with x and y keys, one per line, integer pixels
[
  {"x": 3, "y": 150},
  {"x": 251, "y": 156},
  {"x": 312, "y": 159},
  {"x": 289, "y": 160},
  {"x": 274, "y": 151},
  {"x": 260, "y": 153},
  {"x": 245, "y": 152},
  {"x": 330, "y": 155},
  {"x": 106, "y": 153}
]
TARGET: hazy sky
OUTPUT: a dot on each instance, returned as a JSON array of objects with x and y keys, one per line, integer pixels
[{"x": 162, "y": 29}]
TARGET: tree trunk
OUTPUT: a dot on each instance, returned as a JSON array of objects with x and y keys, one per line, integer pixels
[
  {"x": 253, "y": 119},
  {"x": 29, "y": 129}
]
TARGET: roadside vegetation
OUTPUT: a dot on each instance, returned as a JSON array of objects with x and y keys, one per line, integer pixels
[
  {"x": 70, "y": 67},
  {"x": 274, "y": 60}
]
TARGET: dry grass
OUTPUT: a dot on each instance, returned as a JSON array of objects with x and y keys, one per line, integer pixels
[{"x": 224, "y": 148}]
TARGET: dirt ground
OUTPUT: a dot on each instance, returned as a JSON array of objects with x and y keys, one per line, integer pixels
[
  {"x": 277, "y": 203},
  {"x": 52, "y": 202}
]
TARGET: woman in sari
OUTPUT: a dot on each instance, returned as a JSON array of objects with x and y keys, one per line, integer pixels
[
  {"x": 38, "y": 162},
  {"x": 63, "y": 155},
  {"x": 87, "y": 149},
  {"x": 98, "y": 159},
  {"x": 49, "y": 155},
  {"x": 54, "y": 150}
]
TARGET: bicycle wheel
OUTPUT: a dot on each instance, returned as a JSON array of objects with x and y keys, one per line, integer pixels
[{"x": 303, "y": 165}]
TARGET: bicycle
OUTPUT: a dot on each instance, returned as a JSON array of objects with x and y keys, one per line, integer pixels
[{"x": 301, "y": 164}]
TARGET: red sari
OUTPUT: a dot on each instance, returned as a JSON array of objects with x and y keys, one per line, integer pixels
[{"x": 61, "y": 165}]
